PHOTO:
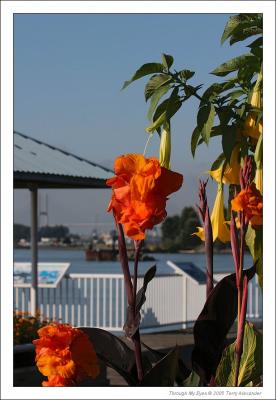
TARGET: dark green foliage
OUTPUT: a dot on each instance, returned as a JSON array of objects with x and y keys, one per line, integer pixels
[
  {"x": 213, "y": 324},
  {"x": 177, "y": 230},
  {"x": 21, "y": 232},
  {"x": 58, "y": 231},
  {"x": 170, "y": 227}
]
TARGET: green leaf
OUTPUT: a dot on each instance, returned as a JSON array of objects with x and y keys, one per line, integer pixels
[
  {"x": 155, "y": 82},
  {"x": 205, "y": 120},
  {"x": 155, "y": 99},
  {"x": 251, "y": 366},
  {"x": 245, "y": 33},
  {"x": 217, "y": 88},
  {"x": 164, "y": 372},
  {"x": 186, "y": 74},
  {"x": 194, "y": 140},
  {"x": 225, "y": 114},
  {"x": 254, "y": 241},
  {"x": 218, "y": 161},
  {"x": 174, "y": 104},
  {"x": 233, "y": 64},
  {"x": 146, "y": 69},
  {"x": 193, "y": 380},
  {"x": 232, "y": 23},
  {"x": 229, "y": 137},
  {"x": 256, "y": 43},
  {"x": 113, "y": 352},
  {"x": 167, "y": 61}
]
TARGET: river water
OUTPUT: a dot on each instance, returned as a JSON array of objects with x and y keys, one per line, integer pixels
[{"x": 78, "y": 264}]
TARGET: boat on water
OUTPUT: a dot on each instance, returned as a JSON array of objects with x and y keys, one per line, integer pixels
[{"x": 106, "y": 254}]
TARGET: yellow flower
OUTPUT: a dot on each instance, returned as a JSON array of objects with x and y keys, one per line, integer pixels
[
  {"x": 259, "y": 179},
  {"x": 165, "y": 147},
  {"x": 220, "y": 230},
  {"x": 251, "y": 128},
  {"x": 231, "y": 172}
]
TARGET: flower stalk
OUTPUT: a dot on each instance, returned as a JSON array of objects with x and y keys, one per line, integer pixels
[
  {"x": 208, "y": 235},
  {"x": 241, "y": 325},
  {"x": 136, "y": 337},
  {"x": 131, "y": 291}
]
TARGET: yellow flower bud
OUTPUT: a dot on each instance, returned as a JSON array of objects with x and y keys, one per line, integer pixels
[
  {"x": 220, "y": 230},
  {"x": 165, "y": 147}
]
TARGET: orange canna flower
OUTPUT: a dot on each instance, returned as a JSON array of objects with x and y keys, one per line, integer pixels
[
  {"x": 250, "y": 201},
  {"x": 140, "y": 190},
  {"x": 65, "y": 355}
]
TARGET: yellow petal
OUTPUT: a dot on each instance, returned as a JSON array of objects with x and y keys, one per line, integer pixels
[
  {"x": 220, "y": 231},
  {"x": 231, "y": 172},
  {"x": 259, "y": 179},
  {"x": 199, "y": 233}
]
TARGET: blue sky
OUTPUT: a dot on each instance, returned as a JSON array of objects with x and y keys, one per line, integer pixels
[{"x": 68, "y": 72}]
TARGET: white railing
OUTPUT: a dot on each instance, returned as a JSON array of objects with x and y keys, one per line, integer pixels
[{"x": 99, "y": 300}]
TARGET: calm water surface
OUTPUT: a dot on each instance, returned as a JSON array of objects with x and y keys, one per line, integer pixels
[{"x": 222, "y": 262}]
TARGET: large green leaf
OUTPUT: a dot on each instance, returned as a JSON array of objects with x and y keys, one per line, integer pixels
[
  {"x": 229, "y": 138},
  {"x": 155, "y": 82},
  {"x": 167, "y": 61},
  {"x": 174, "y": 104},
  {"x": 165, "y": 111},
  {"x": 218, "y": 161},
  {"x": 205, "y": 120},
  {"x": 232, "y": 23},
  {"x": 233, "y": 64},
  {"x": 194, "y": 140},
  {"x": 254, "y": 241},
  {"x": 155, "y": 99},
  {"x": 213, "y": 324},
  {"x": 245, "y": 33},
  {"x": 217, "y": 88},
  {"x": 146, "y": 69},
  {"x": 113, "y": 352},
  {"x": 164, "y": 372},
  {"x": 241, "y": 26},
  {"x": 251, "y": 366}
]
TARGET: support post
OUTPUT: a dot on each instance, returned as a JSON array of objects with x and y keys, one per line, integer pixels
[{"x": 34, "y": 239}]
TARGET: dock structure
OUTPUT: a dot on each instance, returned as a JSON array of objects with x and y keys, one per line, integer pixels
[{"x": 39, "y": 165}]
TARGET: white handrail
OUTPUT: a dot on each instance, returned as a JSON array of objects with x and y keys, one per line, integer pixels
[{"x": 99, "y": 300}]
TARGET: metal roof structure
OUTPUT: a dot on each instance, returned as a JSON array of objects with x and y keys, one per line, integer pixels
[{"x": 38, "y": 164}]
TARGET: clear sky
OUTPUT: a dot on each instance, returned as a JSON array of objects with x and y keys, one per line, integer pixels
[{"x": 68, "y": 72}]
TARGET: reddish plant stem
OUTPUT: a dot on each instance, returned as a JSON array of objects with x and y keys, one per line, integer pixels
[
  {"x": 208, "y": 252},
  {"x": 136, "y": 337},
  {"x": 242, "y": 246},
  {"x": 131, "y": 292},
  {"x": 138, "y": 246},
  {"x": 124, "y": 263},
  {"x": 235, "y": 247},
  {"x": 241, "y": 324}
]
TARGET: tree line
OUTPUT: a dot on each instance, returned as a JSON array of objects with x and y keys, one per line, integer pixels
[{"x": 177, "y": 232}]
